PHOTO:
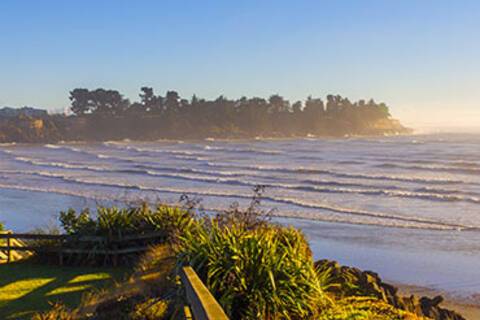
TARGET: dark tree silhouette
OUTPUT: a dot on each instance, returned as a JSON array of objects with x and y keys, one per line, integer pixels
[{"x": 172, "y": 116}]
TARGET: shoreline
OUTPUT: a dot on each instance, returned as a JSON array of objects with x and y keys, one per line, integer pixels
[
  {"x": 219, "y": 139},
  {"x": 467, "y": 306}
]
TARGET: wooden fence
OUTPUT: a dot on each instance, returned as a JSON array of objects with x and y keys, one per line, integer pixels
[
  {"x": 7, "y": 255},
  {"x": 15, "y": 245},
  {"x": 202, "y": 304}
]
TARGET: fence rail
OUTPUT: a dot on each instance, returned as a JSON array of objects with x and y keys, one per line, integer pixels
[
  {"x": 203, "y": 304},
  {"x": 12, "y": 245},
  {"x": 6, "y": 244}
]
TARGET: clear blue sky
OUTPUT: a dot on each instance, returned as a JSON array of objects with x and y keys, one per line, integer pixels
[{"x": 422, "y": 57}]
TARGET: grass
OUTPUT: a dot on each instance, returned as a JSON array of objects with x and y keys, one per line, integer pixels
[{"x": 26, "y": 288}]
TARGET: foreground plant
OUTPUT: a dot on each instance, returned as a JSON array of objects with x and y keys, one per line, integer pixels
[{"x": 265, "y": 273}]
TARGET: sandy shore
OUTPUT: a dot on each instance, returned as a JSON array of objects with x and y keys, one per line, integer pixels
[{"x": 469, "y": 307}]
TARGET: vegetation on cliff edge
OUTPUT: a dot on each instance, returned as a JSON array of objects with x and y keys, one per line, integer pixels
[{"x": 102, "y": 114}]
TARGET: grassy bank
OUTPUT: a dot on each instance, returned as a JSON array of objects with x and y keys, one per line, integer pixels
[{"x": 26, "y": 288}]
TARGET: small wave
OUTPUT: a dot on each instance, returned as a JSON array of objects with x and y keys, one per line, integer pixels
[
  {"x": 193, "y": 158},
  {"x": 466, "y": 164},
  {"x": 59, "y": 164},
  {"x": 151, "y": 150},
  {"x": 52, "y": 146},
  {"x": 408, "y": 221},
  {"x": 211, "y": 148},
  {"x": 430, "y": 196},
  {"x": 441, "y": 195},
  {"x": 434, "y": 168},
  {"x": 306, "y": 170},
  {"x": 71, "y": 149},
  {"x": 242, "y": 150},
  {"x": 349, "y": 162},
  {"x": 150, "y": 168}
]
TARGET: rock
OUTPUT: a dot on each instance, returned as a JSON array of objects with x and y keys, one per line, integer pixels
[{"x": 349, "y": 281}]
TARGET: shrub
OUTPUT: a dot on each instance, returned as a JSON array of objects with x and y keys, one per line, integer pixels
[
  {"x": 264, "y": 273},
  {"x": 152, "y": 309},
  {"x": 58, "y": 312},
  {"x": 365, "y": 308},
  {"x": 117, "y": 222},
  {"x": 249, "y": 218},
  {"x": 112, "y": 223}
]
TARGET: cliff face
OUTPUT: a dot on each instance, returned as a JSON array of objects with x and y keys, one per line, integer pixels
[
  {"x": 389, "y": 126},
  {"x": 29, "y": 130}
]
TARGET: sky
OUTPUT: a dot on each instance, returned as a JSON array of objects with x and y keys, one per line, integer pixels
[{"x": 421, "y": 57}]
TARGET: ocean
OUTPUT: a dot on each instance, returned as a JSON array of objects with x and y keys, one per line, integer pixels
[{"x": 407, "y": 207}]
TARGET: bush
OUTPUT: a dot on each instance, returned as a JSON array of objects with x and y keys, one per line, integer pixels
[
  {"x": 365, "y": 308},
  {"x": 264, "y": 273},
  {"x": 58, "y": 312},
  {"x": 152, "y": 309},
  {"x": 113, "y": 223},
  {"x": 117, "y": 222}
]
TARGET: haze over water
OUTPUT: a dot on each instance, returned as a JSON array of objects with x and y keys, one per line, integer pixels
[{"x": 391, "y": 204}]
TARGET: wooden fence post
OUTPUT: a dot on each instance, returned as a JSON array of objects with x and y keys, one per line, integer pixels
[
  {"x": 60, "y": 257},
  {"x": 9, "y": 249}
]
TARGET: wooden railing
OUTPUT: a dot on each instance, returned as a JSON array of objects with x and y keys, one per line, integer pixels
[
  {"x": 7, "y": 255},
  {"x": 202, "y": 304},
  {"x": 11, "y": 244}
]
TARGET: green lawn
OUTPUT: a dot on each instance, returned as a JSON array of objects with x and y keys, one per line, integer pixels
[{"x": 26, "y": 287}]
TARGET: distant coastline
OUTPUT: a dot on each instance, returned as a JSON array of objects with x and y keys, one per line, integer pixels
[{"x": 102, "y": 115}]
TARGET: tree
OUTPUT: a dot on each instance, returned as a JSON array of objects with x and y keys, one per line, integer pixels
[
  {"x": 222, "y": 116},
  {"x": 99, "y": 101},
  {"x": 297, "y": 107},
  {"x": 108, "y": 102},
  {"x": 172, "y": 101},
  {"x": 150, "y": 102},
  {"x": 314, "y": 106},
  {"x": 80, "y": 101},
  {"x": 277, "y": 104}
]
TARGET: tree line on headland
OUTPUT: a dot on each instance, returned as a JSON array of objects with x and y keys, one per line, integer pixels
[{"x": 102, "y": 114}]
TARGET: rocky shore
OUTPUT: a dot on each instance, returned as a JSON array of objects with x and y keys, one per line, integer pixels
[
  {"x": 467, "y": 306},
  {"x": 348, "y": 281}
]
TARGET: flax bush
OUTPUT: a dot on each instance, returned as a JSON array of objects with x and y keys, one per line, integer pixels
[{"x": 265, "y": 273}]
